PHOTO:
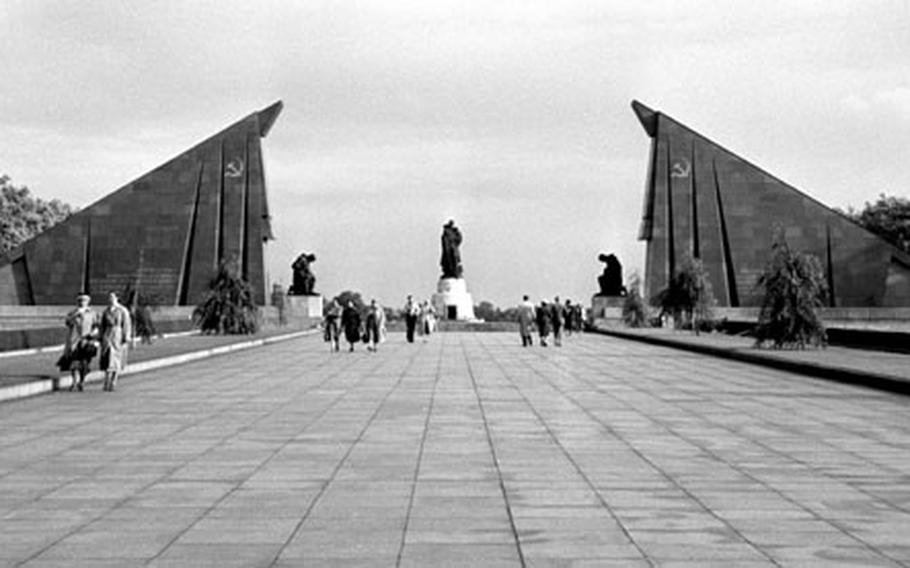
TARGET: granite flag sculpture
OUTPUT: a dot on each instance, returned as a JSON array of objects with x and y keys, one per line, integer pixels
[
  {"x": 162, "y": 234},
  {"x": 705, "y": 201}
]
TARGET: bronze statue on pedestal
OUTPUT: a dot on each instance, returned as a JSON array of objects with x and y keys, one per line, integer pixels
[{"x": 303, "y": 278}]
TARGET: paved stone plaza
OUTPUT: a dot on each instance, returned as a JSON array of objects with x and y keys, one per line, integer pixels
[{"x": 467, "y": 450}]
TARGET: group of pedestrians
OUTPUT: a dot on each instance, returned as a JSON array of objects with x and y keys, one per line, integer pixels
[
  {"x": 549, "y": 317},
  {"x": 554, "y": 319},
  {"x": 368, "y": 327},
  {"x": 419, "y": 318},
  {"x": 107, "y": 335}
]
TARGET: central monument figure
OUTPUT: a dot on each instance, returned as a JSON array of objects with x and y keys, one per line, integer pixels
[
  {"x": 451, "y": 257},
  {"x": 452, "y": 300}
]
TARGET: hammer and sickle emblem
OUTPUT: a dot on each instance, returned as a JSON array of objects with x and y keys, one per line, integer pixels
[
  {"x": 234, "y": 168},
  {"x": 680, "y": 169}
]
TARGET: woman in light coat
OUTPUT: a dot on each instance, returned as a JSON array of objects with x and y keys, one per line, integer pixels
[
  {"x": 526, "y": 321},
  {"x": 116, "y": 333}
]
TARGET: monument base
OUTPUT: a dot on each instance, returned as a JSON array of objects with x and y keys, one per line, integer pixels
[
  {"x": 303, "y": 306},
  {"x": 452, "y": 300},
  {"x": 607, "y": 308}
]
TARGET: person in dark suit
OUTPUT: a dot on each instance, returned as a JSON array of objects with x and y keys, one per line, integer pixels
[
  {"x": 411, "y": 313},
  {"x": 544, "y": 320},
  {"x": 351, "y": 323}
]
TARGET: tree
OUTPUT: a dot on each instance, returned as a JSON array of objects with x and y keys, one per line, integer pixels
[
  {"x": 228, "y": 306},
  {"x": 794, "y": 288},
  {"x": 688, "y": 297},
  {"x": 633, "y": 307},
  {"x": 23, "y": 216},
  {"x": 392, "y": 314},
  {"x": 487, "y": 311},
  {"x": 889, "y": 218},
  {"x": 508, "y": 314},
  {"x": 351, "y": 296}
]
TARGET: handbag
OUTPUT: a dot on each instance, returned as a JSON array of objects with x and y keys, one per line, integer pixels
[
  {"x": 87, "y": 348},
  {"x": 64, "y": 362}
]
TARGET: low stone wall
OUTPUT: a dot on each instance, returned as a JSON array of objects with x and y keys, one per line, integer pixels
[
  {"x": 869, "y": 328},
  {"x": 35, "y": 317},
  {"x": 454, "y": 325},
  {"x": 870, "y": 319},
  {"x": 31, "y": 327}
]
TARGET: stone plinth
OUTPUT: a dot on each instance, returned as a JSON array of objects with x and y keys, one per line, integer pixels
[
  {"x": 303, "y": 306},
  {"x": 452, "y": 300},
  {"x": 607, "y": 308}
]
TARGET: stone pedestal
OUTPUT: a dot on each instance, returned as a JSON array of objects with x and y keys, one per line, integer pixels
[
  {"x": 608, "y": 309},
  {"x": 303, "y": 306},
  {"x": 452, "y": 300}
]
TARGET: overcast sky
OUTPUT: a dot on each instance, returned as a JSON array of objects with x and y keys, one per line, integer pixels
[{"x": 512, "y": 118}]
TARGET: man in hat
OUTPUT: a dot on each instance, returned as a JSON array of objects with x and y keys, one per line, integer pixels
[{"x": 80, "y": 346}]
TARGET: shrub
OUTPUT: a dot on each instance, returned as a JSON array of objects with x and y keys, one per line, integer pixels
[
  {"x": 228, "y": 306},
  {"x": 633, "y": 307},
  {"x": 688, "y": 297},
  {"x": 794, "y": 288},
  {"x": 139, "y": 307}
]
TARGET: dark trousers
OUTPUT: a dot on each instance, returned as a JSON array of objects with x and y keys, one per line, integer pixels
[
  {"x": 372, "y": 332},
  {"x": 411, "y": 323}
]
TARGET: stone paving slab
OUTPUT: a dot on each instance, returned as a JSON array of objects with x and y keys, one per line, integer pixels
[{"x": 465, "y": 450}]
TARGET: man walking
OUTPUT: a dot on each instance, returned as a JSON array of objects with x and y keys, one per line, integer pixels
[
  {"x": 526, "y": 321},
  {"x": 411, "y": 313},
  {"x": 569, "y": 311},
  {"x": 375, "y": 323}
]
